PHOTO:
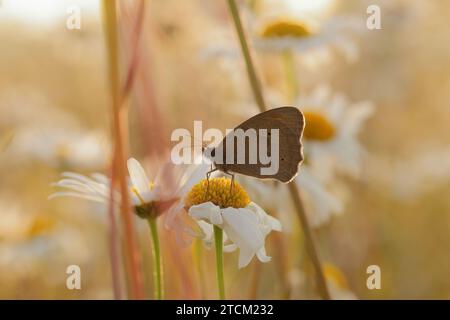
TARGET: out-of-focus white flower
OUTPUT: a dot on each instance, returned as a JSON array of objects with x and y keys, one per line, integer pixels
[
  {"x": 265, "y": 191},
  {"x": 47, "y": 133},
  {"x": 32, "y": 241},
  {"x": 61, "y": 146},
  {"x": 16, "y": 225},
  {"x": 94, "y": 188},
  {"x": 316, "y": 41},
  {"x": 416, "y": 174},
  {"x": 321, "y": 202},
  {"x": 336, "y": 283},
  {"x": 245, "y": 224},
  {"x": 332, "y": 127},
  {"x": 301, "y": 34},
  {"x": 306, "y": 28}
]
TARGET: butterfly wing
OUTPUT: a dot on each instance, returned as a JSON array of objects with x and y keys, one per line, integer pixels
[{"x": 290, "y": 123}]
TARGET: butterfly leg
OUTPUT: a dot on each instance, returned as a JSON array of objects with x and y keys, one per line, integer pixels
[
  {"x": 208, "y": 174},
  {"x": 232, "y": 179},
  {"x": 232, "y": 182}
]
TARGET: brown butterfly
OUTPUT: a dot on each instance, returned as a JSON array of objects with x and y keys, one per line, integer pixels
[{"x": 278, "y": 130}]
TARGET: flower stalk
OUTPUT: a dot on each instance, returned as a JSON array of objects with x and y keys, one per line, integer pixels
[
  {"x": 254, "y": 81},
  {"x": 157, "y": 264},
  {"x": 120, "y": 147},
  {"x": 291, "y": 79},
  {"x": 294, "y": 191},
  {"x": 114, "y": 251},
  {"x": 218, "y": 244},
  {"x": 199, "y": 265}
]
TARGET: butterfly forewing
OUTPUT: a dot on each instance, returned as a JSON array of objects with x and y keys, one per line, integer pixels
[{"x": 290, "y": 123}]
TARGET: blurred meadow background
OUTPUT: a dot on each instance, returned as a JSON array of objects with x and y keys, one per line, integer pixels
[{"x": 389, "y": 207}]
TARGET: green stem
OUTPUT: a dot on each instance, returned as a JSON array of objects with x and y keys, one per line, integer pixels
[
  {"x": 295, "y": 194},
  {"x": 157, "y": 272},
  {"x": 291, "y": 77},
  {"x": 254, "y": 82},
  {"x": 199, "y": 265},
  {"x": 310, "y": 242},
  {"x": 218, "y": 244}
]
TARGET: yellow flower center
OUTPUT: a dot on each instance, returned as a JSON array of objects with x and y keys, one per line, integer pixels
[
  {"x": 218, "y": 191},
  {"x": 152, "y": 209},
  {"x": 40, "y": 225},
  {"x": 335, "y": 275},
  {"x": 145, "y": 209},
  {"x": 318, "y": 127},
  {"x": 284, "y": 27}
]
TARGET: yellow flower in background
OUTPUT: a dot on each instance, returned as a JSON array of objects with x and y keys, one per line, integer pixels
[
  {"x": 244, "y": 223},
  {"x": 317, "y": 126},
  {"x": 40, "y": 225},
  {"x": 17, "y": 226}
]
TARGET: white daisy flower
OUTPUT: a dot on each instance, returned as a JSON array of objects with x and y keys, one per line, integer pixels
[
  {"x": 245, "y": 224},
  {"x": 147, "y": 197},
  {"x": 316, "y": 41},
  {"x": 332, "y": 127},
  {"x": 304, "y": 35},
  {"x": 94, "y": 188}
]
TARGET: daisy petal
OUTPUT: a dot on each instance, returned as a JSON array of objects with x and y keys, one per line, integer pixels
[
  {"x": 262, "y": 256},
  {"x": 208, "y": 233},
  {"x": 242, "y": 228},
  {"x": 245, "y": 256},
  {"x": 208, "y": 212},
  {"x": 138, "y": 176}
]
